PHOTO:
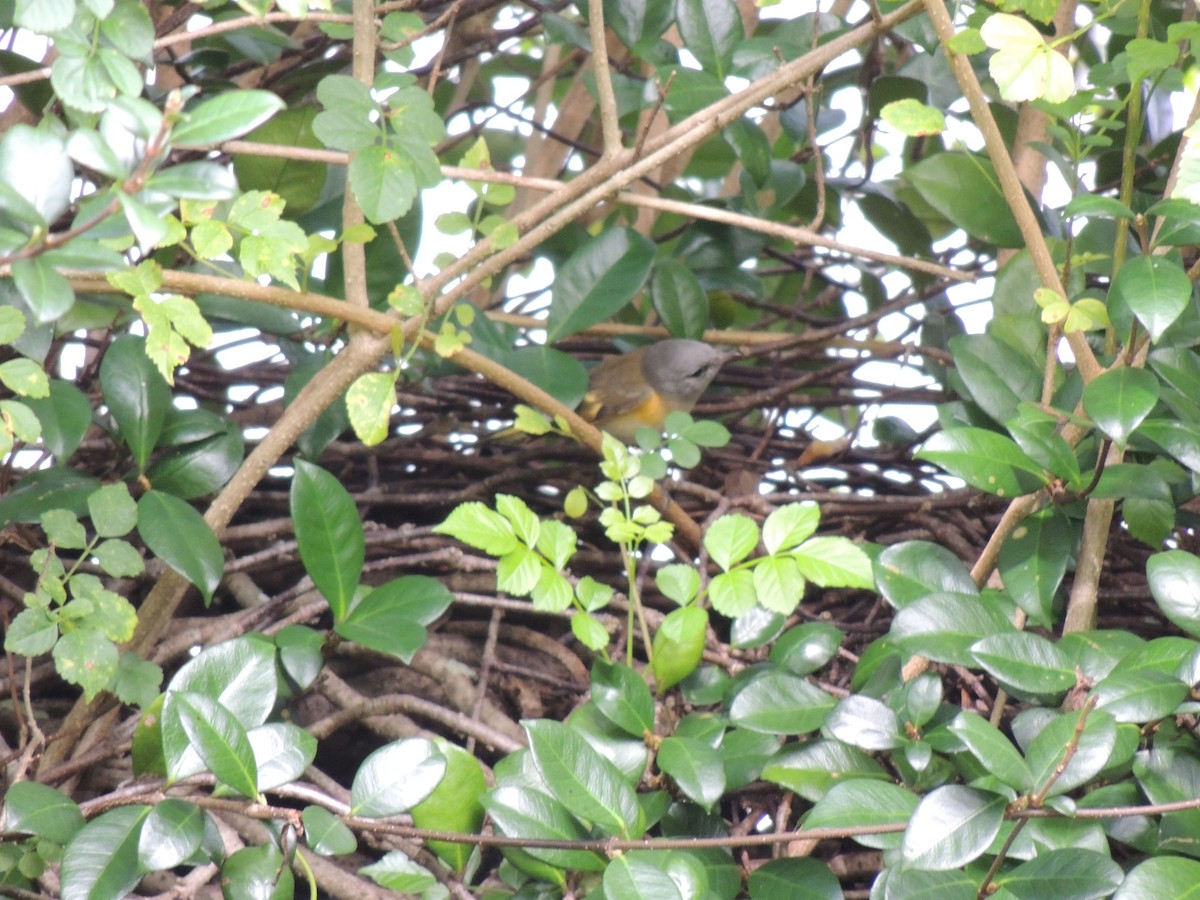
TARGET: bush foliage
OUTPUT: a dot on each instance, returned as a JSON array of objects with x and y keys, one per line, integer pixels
[{"x": 909, "y": 608}]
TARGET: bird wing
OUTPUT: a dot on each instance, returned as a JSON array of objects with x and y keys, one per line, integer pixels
[{"x": 611, "y": 390}]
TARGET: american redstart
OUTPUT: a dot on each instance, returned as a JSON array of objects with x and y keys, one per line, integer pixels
[{"x": 640, "y": 388}]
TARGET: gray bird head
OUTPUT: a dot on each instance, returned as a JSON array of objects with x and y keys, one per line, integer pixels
[{"x": 681, "y": 369}]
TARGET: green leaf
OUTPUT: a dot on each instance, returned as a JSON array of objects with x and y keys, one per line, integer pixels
[
  {"x": 171, "y": 833},
  {"x": 943, "y": 627},
  {"x": 998, "y": 377},
  {"x": 136, "y": 395},
  {"x": 964, "y": 188},
  {"x": 621, "y": 695},
  {"x": 583, "y": 780},
  {"x": 179, "y": 536},
  {"x": 1174, "y": 578},
  {"x": 523, "y": 811},
  {"x": 834, "y": 561},
  {"x": 102, "y": 859},
  {"x": 369, "y": 402},
  {"x": 679, "y": 300},
  {"x": 787, "y": 526},
  {"x": 298, "y": 182},
  {"x": 455, "y": 804},
  {"x": 911, "y": 570},
  {"x": 598, "y": 280},
  {"x": 995, "y": 752},
  {"x": 384, "y": 182},
  {"x": 711, "y": 29},
  {"x": 914, "y": 118},
  {"x": 43, "y": 811},
  {"x": 480, "y": 527},
  {"x": 395, "y": 778},
  {"x": 866, "y": 723},
  {"x": 1024, "y": 662},
  {"x": 778, "y": 702},
  {"x": 806, "y": 648},
  {"x": 257, "y": 872},
  {"x": 113, "y": 511},
  {"x": 224, "y": 117},
  {"x": 811, "y": 769},
  {"x": 1118, "y": 401},
  {"x": 1047, "y": 751},
  {"x": 326, "y": 834},
  {"x": 86, "y": 658},
  {"x": 282, "y": 752},
  {"x": 218, "y": 738},
  {"x": 794, "y": 879},
  {"x": 1139, "y": 696},
  {"x": 1074, "y": 872},
  {"x": 1161, "y": 876},
  {"x": 730, "y": 539},
  {"x": 396, "y": 872},
  {"x": 985, "y": 460},
  {"x": 951, "y": 826},
  {"x": 864, "y": 801},
  {"x": 392, "y": 617},
  {"x": 695, "y": 767},
  {"x": 1033, "y": 561},
  {"x": 678, "y": 646},
  {"x": 329, "y": 535}
]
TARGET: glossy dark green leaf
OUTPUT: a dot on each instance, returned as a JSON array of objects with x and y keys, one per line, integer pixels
[
  {"x": 559, "y": 374},
  {"x": 171, "y": 833},
  {"x": 1161, "y": 876},
  {"x": 1093, "y": 750},
  {"x": 951, "y": 826},
  {"x": 794, "y": 879},
  {"x": 632, "y": 875},
  {"x": 964, "y": 188},
  {"x": 1174, "y": 578},
  {"x": 583, "y": 780},
  {"x": 218, "y": 738},
  {"x": 942, "y": 627},
  {"x": 711, "y": 29},
  {"x": 679, "y": 300},
  {"x": 865, "y": 801},
  {"x": 778, "y": 702},
  {"x": 598, "y": 280},
  {"x": 985, "y": 460},
  {"x": 1118, "y": 401},
  {"x": 329, "y": 535},
  {"x": 998, "y": 377},
  {"x": 282, "y": 752},
  {"x": 636, "y": 20},
  {"x": 392, "y": 617},
  {"x": 259, "y": 872},
  {"x": 1074, "y": 872},
  {"x": 806, "y": 648},
  {"x": 1025, "y": 662},
  {"x": 695, "y": 767},
  {"x": 395, "y": 778},
  {"x": 521, "y": 811},
  {"x": 300, "y": 653},
  {"x": 914, "y": 569},
  {"x": 102, "y": 859},
  {"x": 995, "y": 752},
  {"x": 1139, "y": 696},
  {"x": 326, "y": 834},
  {"x": 136, "y": 395},
  {"x": 623, "y": 698},
  {"x": 1033, "y": 561},
  {"x": 200, "y": 468},
  {"x": 396, "y": 872},
  {"x": 1155, "y": 289},
  {"x": 456, "y": 804},
  {"x": 65, "y": 416},
  {"x": 812, "y": 768},
  {"x": 1178, "y": 439},
  {"x": 865, "y": 723},
  {"x": 41, "y": 810},
  {"x": 179, "y": 536}
]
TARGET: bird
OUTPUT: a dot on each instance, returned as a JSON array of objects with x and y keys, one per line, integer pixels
[{"x": 640, "y": 388}]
